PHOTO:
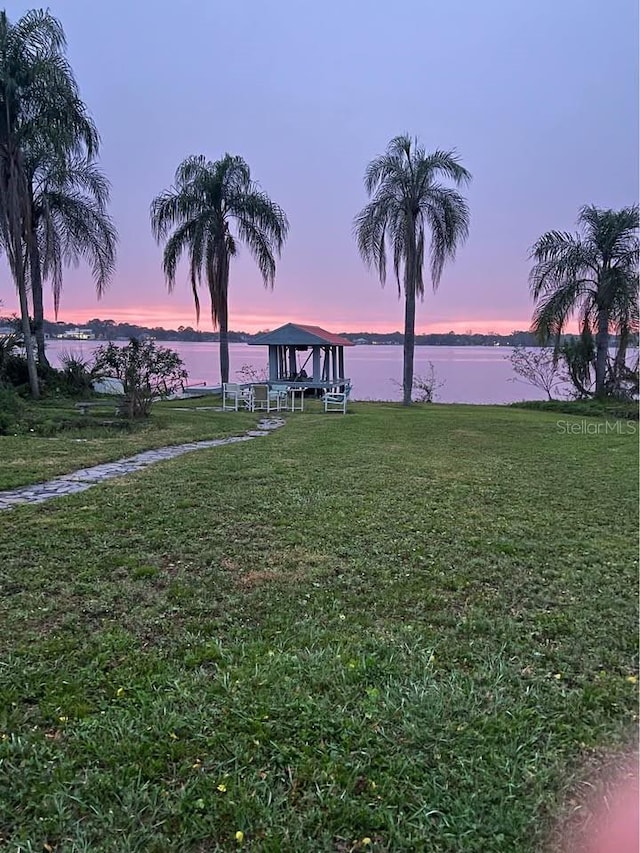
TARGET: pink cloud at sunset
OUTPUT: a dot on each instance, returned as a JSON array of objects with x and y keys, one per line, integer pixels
[{"x": 159, "y": 315}]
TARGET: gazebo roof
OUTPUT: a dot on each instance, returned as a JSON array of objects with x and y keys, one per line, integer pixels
[{"x": 292, "y": 334}]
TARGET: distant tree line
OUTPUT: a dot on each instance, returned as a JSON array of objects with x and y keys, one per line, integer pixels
[{"x": 109, "y": 330}]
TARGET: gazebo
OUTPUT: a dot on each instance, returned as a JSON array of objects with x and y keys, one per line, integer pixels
[{"x": 305, "y": 356}]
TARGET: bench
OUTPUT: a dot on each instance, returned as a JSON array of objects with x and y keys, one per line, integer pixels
[
  {"x": 121, "y": 406},
  {"x": 85, "y": 407}
]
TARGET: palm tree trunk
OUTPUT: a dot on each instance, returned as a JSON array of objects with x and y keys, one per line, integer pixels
[
  {"x": 620, "y": 362},
  {"x": 26, "y": 334},
  {"x": 602, "y": 352},
  {"x": 224, "y": 345},
  {"x": 409, "y": 314},
  {"x": 223, "y": 321},
  {"x": 409, "y": 345},
  {"x": 14, "y": 229},
  {"x": 38, "y": 306}
]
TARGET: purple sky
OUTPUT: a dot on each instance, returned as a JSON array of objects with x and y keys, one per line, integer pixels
[{"x": 539, "y": 98}]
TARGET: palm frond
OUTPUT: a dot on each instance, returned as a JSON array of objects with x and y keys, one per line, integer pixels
[
  {"x": 44, "y": 124},
  {"x": 592, "y": 273},
  {"x": 186, "y": 239},
  {"x": 196, "y": 215},
  {"x": 262, "y": 249},
  {"x": 254, "y": 207},
  {"x": 405, "y": 196},
  {"x": 447, "y": 214},
  {"x": 552, "y": 312},
  {"x": 445, "y": 164},
  {"x": 172, "y": 207},
  {"x": 83, "y": 231}
]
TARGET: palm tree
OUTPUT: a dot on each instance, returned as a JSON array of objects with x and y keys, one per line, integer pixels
[
  {"x": 594, "y": 274},
  {"x": 69, "y": 222},
  {"x": 40, "y": 109},
  {"x": 210, "y": 209},
  {"x": 407, "y": 199}
]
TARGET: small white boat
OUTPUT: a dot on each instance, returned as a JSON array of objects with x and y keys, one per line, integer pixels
[{"x": 200, "y": 390}]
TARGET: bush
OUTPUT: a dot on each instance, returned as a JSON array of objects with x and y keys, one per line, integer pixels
[
  {"x": 541, "y": 368},
  {"x": 14, "y": 372},
  {"x": 8, "y": 346},
  {"x": 250, "y": 373},
  {"x": 13, "y": 366},
  {"x": 424, "y": 388},
  {"x": 147, "y": 372},
  {"x": 610, "y": 409},
  {"x": 75, "y": 374},
  {"x": 11, "y": 409}
]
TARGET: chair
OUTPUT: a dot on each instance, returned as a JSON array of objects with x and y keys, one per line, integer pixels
[
  {"x": 262, "y": 399},
  {"x": 335, "y": 399},
  {"x": 280, "y": 395},
  {"x": 234, "y": 396}
]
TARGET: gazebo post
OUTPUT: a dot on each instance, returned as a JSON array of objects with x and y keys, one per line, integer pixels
[
  {"x": 293, "y": 369},
  {"x": 334, "y": 362},
  {"x": 341, "y": 362},
  {"x": 316, "y": 364},
  {"x": 273, "y": 364}
]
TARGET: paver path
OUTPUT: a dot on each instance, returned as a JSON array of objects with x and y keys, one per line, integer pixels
[{"x": 85, "y": 478}]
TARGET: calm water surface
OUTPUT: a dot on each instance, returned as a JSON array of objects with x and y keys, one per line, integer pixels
[{"x": 468, "y": 374}]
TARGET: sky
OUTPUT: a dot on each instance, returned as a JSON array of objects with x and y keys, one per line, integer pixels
[{"x": 539, "y": 99}]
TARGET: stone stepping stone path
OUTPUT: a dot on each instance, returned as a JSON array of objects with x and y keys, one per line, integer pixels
[{"x": 85, "y": 478}]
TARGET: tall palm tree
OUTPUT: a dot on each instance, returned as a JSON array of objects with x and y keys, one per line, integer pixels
[
  {"x": 594, "y": 274},
  {"x": 39, "y": 108},
  {"x": 407, "y": 200},
  {"x": 210, "y": 209},
  {"x": 69, "y": 222}
]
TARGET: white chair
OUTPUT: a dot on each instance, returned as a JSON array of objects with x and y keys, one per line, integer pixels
[
  {"x": 262, "y": 399},
  {"x": 279, "y": 394},
  {"x": 335, "y": 399},
  {"x": 235, "y": 397}
]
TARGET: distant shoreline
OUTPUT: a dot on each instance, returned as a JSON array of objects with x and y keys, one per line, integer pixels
[
  {"x": 125, "y": 338},
  {"x": 109, "y": 330}
]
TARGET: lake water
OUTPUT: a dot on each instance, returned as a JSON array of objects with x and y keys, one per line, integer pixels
[{"x": 467, "y": 374}]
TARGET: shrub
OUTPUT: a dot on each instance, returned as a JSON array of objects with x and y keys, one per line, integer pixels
[
  {"x": 610, "y": 409},
  {"x": 250, "y": 373},
  {"x": 11, "y": 409},
  {"x": 147, "y": 372},
  {"x": 75, "y": 374},
  {"x": 8, "y": 346},
  {"x": 424, "y": 388},
  {"x": 541, "y": 368}
]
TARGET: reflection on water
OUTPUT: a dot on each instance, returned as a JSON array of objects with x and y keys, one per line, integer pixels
[{"x": 469, "y": 374}]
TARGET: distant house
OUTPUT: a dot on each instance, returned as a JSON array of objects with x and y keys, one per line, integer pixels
[{"x": 78, "y": 334}]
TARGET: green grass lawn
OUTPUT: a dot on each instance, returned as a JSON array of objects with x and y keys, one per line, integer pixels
[
  {"x": 56, "y": 439},
  {"x": 396, "y": 630}
]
